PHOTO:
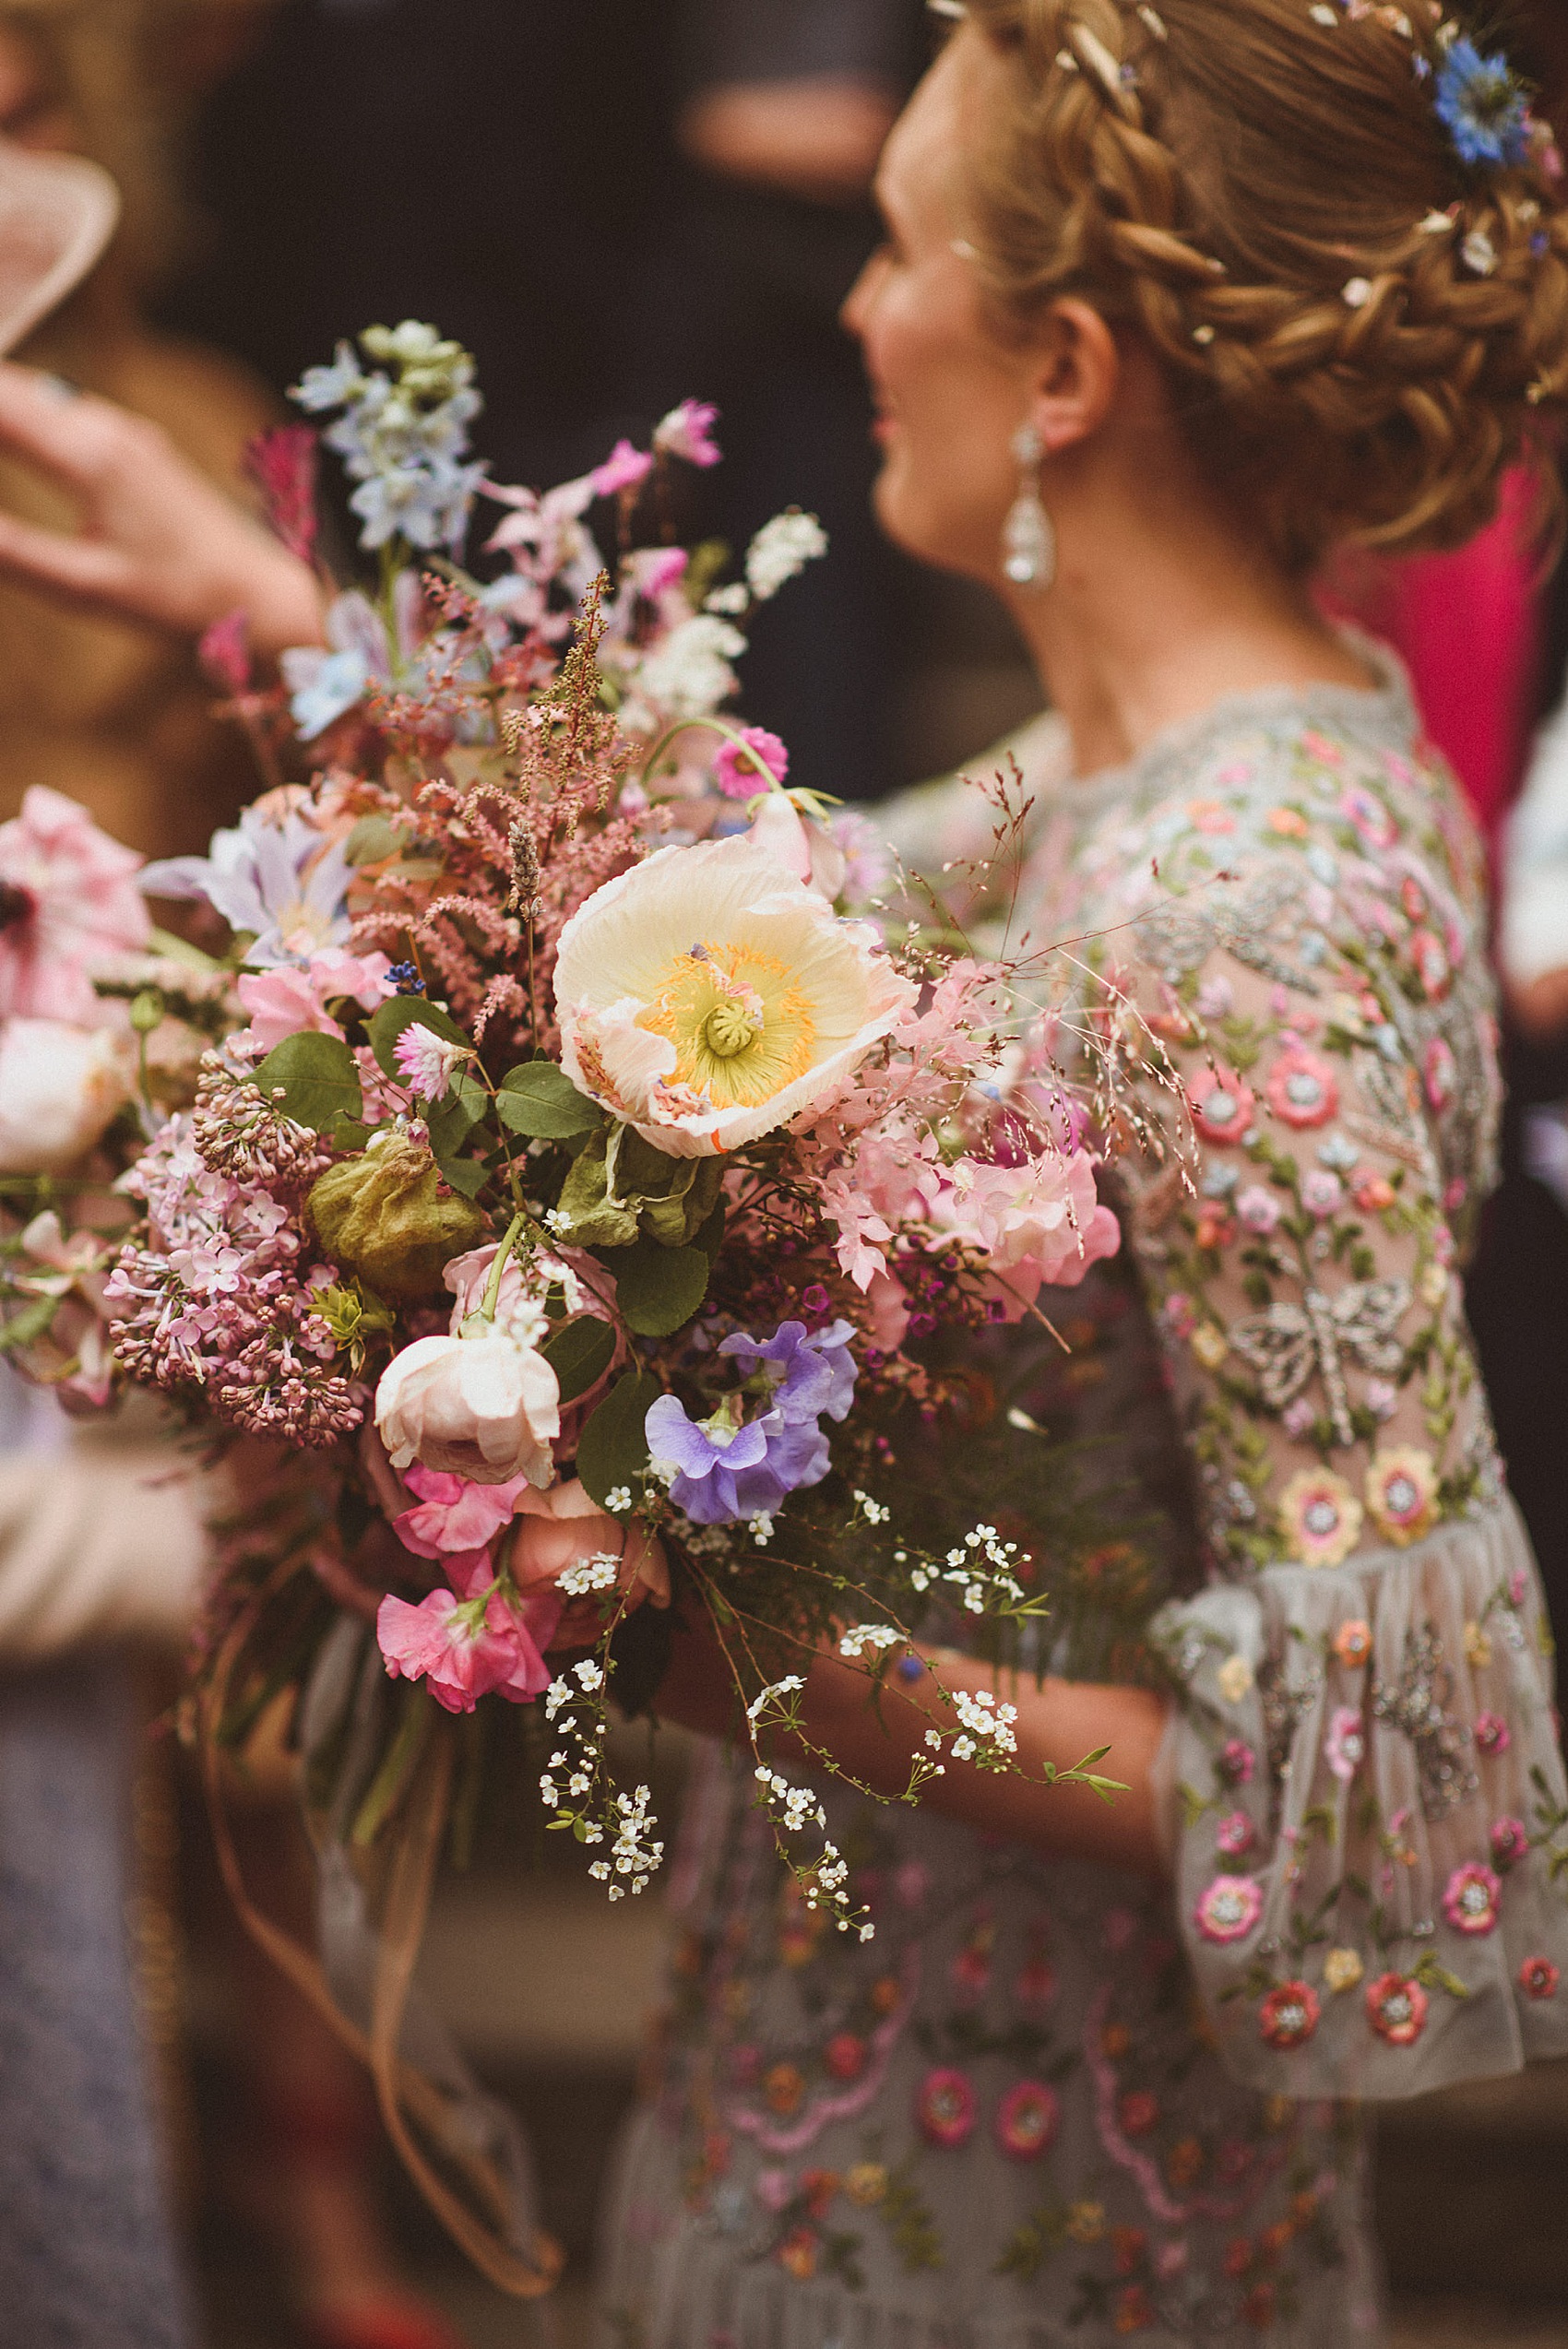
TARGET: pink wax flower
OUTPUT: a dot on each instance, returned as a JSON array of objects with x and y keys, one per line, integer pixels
[
  {"x": 1471, "y": 1898},
  {"x": 687, "y": 431},
  {"x": 1510, "y": 1841},
  {"x": 944, "y": 2108},
  {"x": 68, "y": 903},
  {"x": 291, "y": 1000},
  {"x": 1228, "y": 1909},
  {"x": 1494, "y": 1737},
  {"x": 1026, "y": 2120},
  {"x": 625, "y": 468},
  {"x": 461, "y": 1659},
  {"x": 740, "y": 778}
]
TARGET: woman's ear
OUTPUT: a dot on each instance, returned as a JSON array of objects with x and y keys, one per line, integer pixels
[{"x": 1076, "y": 374}]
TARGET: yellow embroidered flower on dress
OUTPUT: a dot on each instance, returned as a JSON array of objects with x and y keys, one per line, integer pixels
[
  {"x": 866, "y": 2184},
  {"x": 1433, "y": 1286},
  {"x": 1211, "y": 1346},
  {"x": 1234, "y": 1678},
  {"x": 1477, "y": 1646},
  {"x": 1320, "y": 1518},
  {"x": 1342, "y": 1969},
  {"x": 1086, "y": 2221},
  {"x": 1401, "y": 1492}
]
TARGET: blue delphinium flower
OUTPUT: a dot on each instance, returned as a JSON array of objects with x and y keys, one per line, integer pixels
[
  {"x": 721, "y": 1471},
  {"x": 1484, "y": 107},
  {"x": 402, "y": 440}
]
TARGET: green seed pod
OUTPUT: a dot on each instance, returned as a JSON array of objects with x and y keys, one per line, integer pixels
[{"x": 387, "y": 1216}]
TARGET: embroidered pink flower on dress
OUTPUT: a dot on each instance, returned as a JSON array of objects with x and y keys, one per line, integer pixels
[
  {"x": 1371, "y": 818},
  {"x": 845, "y": 2056},
  {"x": 1440, "y": 1072},
  {"x": 1539, "y": 1978},
  {"x": 1397, "y": 2008},
  {"x": 1353, "y": 1644},
  {"x": 1288, "y": 2016},
  {"x": 1235, "y": 1835},
  {"x": 1137, "y": 2112},
  {"x": 1344, "y": 1749},
  {"x": 1494, "y": 1737},
  {"x": 68, "y": 903},
  {"x": 1026, "y": 2120},
  {"x": 1510, "y": 1841},
  {"x": 1303, "y": 1090},
  {"x": 1260, "y": 1210},
  {"x": 1237, "y": 1762},
  {"x": 1471, "y": 1898},
  {"x": 1401, "y": 1491},
  {"x": 1320, "y": 1517},
  {"x": 1228, "y": 1909},
  {"x": 946, "y": 2108},
  {"x": 1433, "y": 966},
  {"x": 1222, "y": 1107},
  {"x": 1322, "y": 1193}
]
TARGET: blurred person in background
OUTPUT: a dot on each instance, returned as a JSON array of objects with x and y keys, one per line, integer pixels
[
  {"x": 781, "y": 109},
  {"x": 98, "y": 1543}
]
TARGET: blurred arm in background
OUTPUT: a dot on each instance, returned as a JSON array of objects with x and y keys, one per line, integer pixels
[{"x": 795, "y": 95}]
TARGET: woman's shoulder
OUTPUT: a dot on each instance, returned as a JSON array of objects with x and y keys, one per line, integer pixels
[{"x": 1342, "y": 813}]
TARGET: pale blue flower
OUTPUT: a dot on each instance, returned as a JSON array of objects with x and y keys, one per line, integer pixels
[{"x": 1482, "y": 103}]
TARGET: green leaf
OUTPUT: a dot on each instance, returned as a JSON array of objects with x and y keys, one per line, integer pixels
[
  {"x": 452, "y": 1120},
  {"x": 373, "y": 840},
  {"x": 613, "y": 1450},
  {"x": 540, "y": 1101},
  {"x": 31, "y": 1323},
  {"x": 658, "y": 1289},
  {"x": 408, "y": 1010},
  {"x": 318, "y": 1077},
  {"x": 580, "y": 1353},
  {"x": 468, "y": 1176},
  {"x": 591, "y": 1219}
]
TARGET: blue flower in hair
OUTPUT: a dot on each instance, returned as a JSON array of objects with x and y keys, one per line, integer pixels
[{"x": 1483, "y": 105}]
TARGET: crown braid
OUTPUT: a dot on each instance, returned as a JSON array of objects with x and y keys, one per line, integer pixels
[{"x": 1361, "y": 329}]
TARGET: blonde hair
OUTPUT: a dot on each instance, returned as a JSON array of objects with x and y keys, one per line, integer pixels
[{"x": 1257, "y": 187}]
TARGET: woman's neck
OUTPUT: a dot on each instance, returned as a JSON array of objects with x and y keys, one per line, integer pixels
[{"x": 1162, "y": 607}]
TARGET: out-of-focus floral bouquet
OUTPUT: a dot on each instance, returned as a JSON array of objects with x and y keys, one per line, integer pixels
[{"x": 591, "y": 1136}]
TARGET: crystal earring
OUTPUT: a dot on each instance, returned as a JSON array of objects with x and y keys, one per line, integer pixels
[{"x": 1028, "y": 536}]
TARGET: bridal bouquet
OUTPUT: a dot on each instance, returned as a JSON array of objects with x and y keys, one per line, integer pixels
[{"x": 581, "y": 1162}]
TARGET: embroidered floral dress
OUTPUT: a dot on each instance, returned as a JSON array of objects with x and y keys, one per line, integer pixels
[{"x": 1049, "y": 2104}]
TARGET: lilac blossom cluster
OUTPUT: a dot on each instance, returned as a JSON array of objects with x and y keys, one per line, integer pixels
[{"x": 219, "y": 1304}]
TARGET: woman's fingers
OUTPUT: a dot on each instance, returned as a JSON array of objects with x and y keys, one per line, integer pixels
[
  {"x": 83, "y": 571},
  {"x": 71, "y": 435}
]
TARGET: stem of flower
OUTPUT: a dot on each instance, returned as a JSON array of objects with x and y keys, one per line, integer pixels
[
  {"x": 518, "y": 1225},
  {"x": 731, "y": 734}
]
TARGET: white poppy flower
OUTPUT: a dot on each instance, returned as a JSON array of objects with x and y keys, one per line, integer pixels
[{"x": 708, "y": 996}]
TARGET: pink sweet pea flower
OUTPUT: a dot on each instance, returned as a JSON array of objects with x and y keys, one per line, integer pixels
[
  {"x": 455, "y": 1518},
  {"x": 68, "y": 902},
  {"x": 460, "y": 1659},
  {"x": 291, "y": 1000},
  {"x": 687, "y": 431}
]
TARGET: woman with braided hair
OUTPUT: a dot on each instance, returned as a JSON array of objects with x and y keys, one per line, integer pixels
[{"x": 1176, "y": 297}]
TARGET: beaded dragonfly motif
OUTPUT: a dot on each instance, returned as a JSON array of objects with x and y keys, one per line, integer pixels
[{"x": 1286, "y": 1344}]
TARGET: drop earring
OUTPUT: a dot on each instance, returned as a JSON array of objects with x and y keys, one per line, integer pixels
[{"x": 1028, "y": 536}]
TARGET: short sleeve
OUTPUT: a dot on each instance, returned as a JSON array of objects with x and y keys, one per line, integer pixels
[{"x": 1372, "y": 1833}]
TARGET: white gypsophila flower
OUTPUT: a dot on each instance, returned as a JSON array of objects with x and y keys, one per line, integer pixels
[
  {"x": 781, "y": 549},
  {"x": 872, "y": 1511},
  {"x": 592, "y": 1574},
  {"x": 618, "y": 1499},
  {"x": 731, "y": 603},
  {"x": 589, "y": 1674},
  {"x": 761, "y": 1529},
  {"x": 789, "y": 1686},
  {"x": 876, "y": 1636},
  {"x": 689, "y": 675}
]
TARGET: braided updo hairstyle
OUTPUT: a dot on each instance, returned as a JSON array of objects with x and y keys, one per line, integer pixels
[{"x": 1361, "y": 329}]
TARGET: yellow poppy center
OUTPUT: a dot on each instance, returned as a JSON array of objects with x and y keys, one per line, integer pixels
[{"x": 742, "y": 1028}]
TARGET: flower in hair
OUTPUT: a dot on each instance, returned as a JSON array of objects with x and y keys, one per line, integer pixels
[{"x": 1483, "y": 105}]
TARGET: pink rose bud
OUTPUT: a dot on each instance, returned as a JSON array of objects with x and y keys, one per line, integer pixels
[
  {"x": 59, "y": 1089},
  {"x": 487, "y": 1408}
]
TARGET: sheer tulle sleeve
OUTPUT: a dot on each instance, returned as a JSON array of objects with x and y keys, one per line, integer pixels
[{"x": 1372, "y": 1826}]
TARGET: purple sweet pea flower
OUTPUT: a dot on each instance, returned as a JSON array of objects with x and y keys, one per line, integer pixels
[
  {"x": 808, "y": 1373},
  {"x": 721, "y": 1473}
]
